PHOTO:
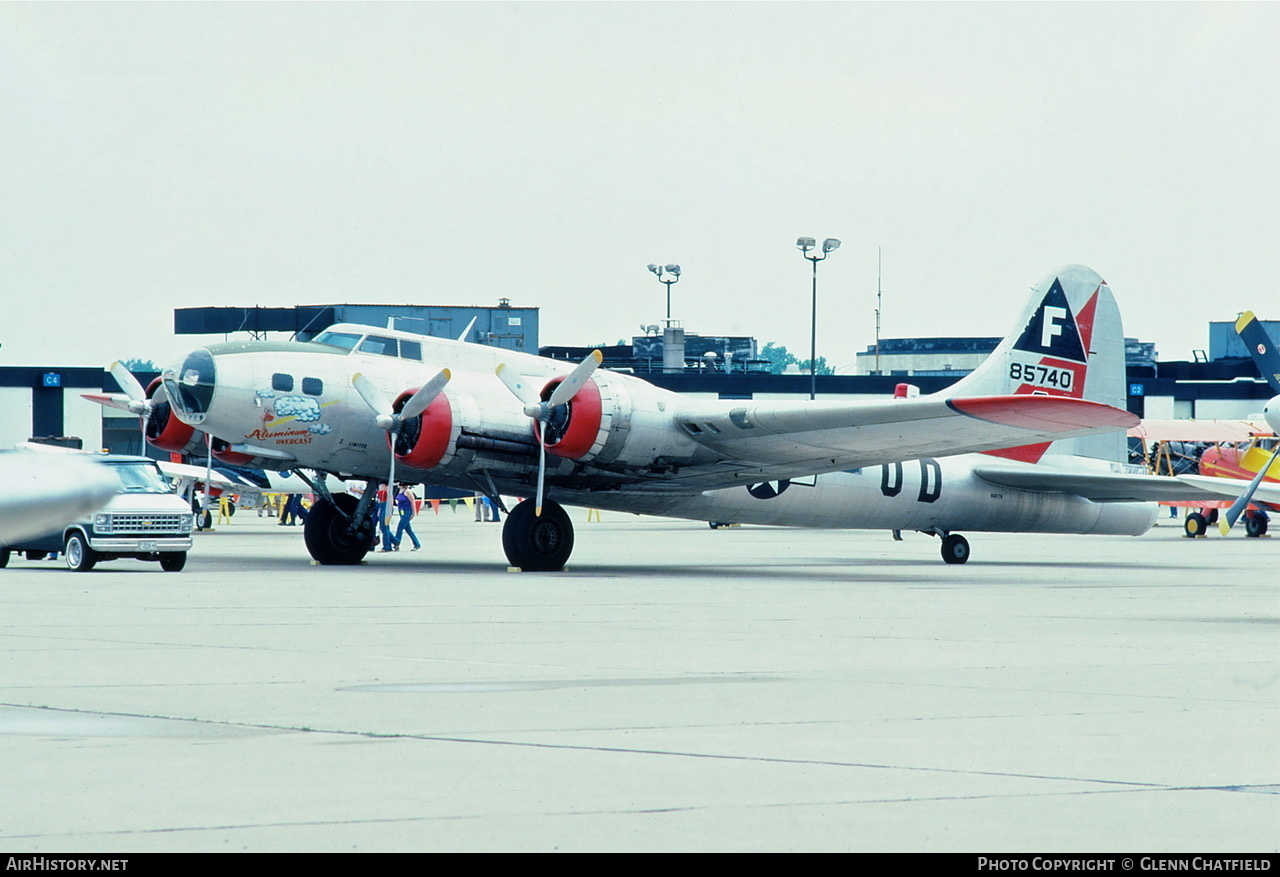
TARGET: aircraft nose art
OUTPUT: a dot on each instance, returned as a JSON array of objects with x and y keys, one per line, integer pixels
[{"x": 191, "y": 386}]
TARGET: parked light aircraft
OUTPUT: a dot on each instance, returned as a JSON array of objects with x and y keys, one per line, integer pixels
[
  {"x": 506, "y": 423},
  {"x": 1268, "y": 362}
]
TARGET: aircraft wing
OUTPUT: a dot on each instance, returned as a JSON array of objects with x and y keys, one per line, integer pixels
[
  {"x": 216, "y": 478},
  {"x": 1267, "y": 491},
  {"x": 1200, "y": 430},
  {"x": 812, "y": 438},
  {"x": 1102, "y": 486},
  {"x": 40, "y": 493}
]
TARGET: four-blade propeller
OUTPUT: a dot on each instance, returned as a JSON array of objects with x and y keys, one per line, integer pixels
[{"x": 542, "y": 411}]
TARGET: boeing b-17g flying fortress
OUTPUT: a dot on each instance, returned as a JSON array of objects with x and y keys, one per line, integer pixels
[{"x": 1031, "y": 441}]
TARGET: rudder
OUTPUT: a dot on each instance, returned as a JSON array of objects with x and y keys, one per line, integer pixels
[{"x": 1069, "y": 341}]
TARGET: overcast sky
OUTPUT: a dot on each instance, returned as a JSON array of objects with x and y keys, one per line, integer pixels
[{"x": 162, "y": 155}]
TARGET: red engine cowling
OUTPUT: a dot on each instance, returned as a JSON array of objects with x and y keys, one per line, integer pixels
[
  {"x": 428, "y": 439},
  {"x": 222, "y": 451},
  {"x": 572, "y": 432},
  {"x": 164, "y": 430}
]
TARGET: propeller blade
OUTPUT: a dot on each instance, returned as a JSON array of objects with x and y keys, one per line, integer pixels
[
  {"x": 1227, "y": 521},
  {"x": 421, "y": 400},
  {"x": 111, "y": 400},
  {"x": 542, "y": 472},
  {"x": 569, "y": 387},
  {"x": 391, "y": 487},
  {"x": 371, "y": 395},
  {"x": 518, "y": 384},
  {"x": 128, "y": 382}
]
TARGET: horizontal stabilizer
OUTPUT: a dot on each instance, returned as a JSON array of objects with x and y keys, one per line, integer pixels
[{"x": 1096, "y": 486}]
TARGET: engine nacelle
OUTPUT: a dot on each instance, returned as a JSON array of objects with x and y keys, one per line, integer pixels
[
  {"x": 616, "y": 421},
  {"x": 430, "y": 439},
  {"x": 222, "y": 451},
  {"x": 163, "y": 429}
]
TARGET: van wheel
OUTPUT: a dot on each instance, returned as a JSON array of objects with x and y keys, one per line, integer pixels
[
  {"x": 4, "y": 557},
  {"x": 173, "y": 561},
  {"x": 80, "y": 557}
]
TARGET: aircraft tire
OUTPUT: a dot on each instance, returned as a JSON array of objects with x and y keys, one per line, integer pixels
[
  {"x": 955, "y": 548},
  {"x": 4, "y": 557},
  {"x": 80, "y": 557},
  {"x": 1255, "y": 526},
  {"x": 1195, "y": 525},
  {"x": 538, "y": 544},
  {"x": 330, "y": 538}
]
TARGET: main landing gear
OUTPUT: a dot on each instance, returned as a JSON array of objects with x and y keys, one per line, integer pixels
[
  {"x": 537, "y": 543},
  {"x": 336, "y": 532}
]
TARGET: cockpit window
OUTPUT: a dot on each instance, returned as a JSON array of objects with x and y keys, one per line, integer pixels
[
  {"x": 379, "y": 345},
  {"x": 345, "y": 340},
  {"x": 410, "y": 350}
]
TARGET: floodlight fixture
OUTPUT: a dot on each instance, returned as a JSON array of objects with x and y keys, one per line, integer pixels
[
  {"x": 805, "y": 245},
  {"x": 672, "y": 272}
]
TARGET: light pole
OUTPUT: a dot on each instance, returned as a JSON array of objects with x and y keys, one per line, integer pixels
[
  {"x": 672, "y": 271},
  {"x": 804, "y": 245}
]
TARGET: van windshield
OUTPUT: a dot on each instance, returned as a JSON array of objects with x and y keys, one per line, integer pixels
[{"x": 140, "y": 478}]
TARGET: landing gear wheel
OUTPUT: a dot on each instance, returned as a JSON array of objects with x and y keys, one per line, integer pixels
[
  {"x": 538, "y": 543},
  {"x": 1255, "y": 526},
  {"x": 1195, "y": 525},
  {"x": 80, "y": 557},
  {"x": 955, "y": 548},
  {"x": 332, "y": 535}
]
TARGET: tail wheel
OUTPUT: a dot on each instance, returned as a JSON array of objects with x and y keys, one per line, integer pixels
[
  {"x": 1195, "y": 525},
  {"x": 538, "y": 543},
  {"x": 955, "y": 548}
]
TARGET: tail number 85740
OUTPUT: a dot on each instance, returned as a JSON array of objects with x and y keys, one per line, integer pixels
[{"x": 1041, "y": 375}]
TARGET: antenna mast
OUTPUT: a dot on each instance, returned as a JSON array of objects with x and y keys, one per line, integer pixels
[{"x": 877, "y": 310}]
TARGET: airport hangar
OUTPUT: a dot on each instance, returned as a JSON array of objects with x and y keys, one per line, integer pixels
[{"x": 1222, "y": 383}]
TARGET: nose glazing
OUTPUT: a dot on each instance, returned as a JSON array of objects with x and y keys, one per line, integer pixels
[{"x": 191, "y": 385}]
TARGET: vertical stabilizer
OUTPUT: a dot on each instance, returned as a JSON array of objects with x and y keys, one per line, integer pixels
[{"x": 1068, "y": 341}]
